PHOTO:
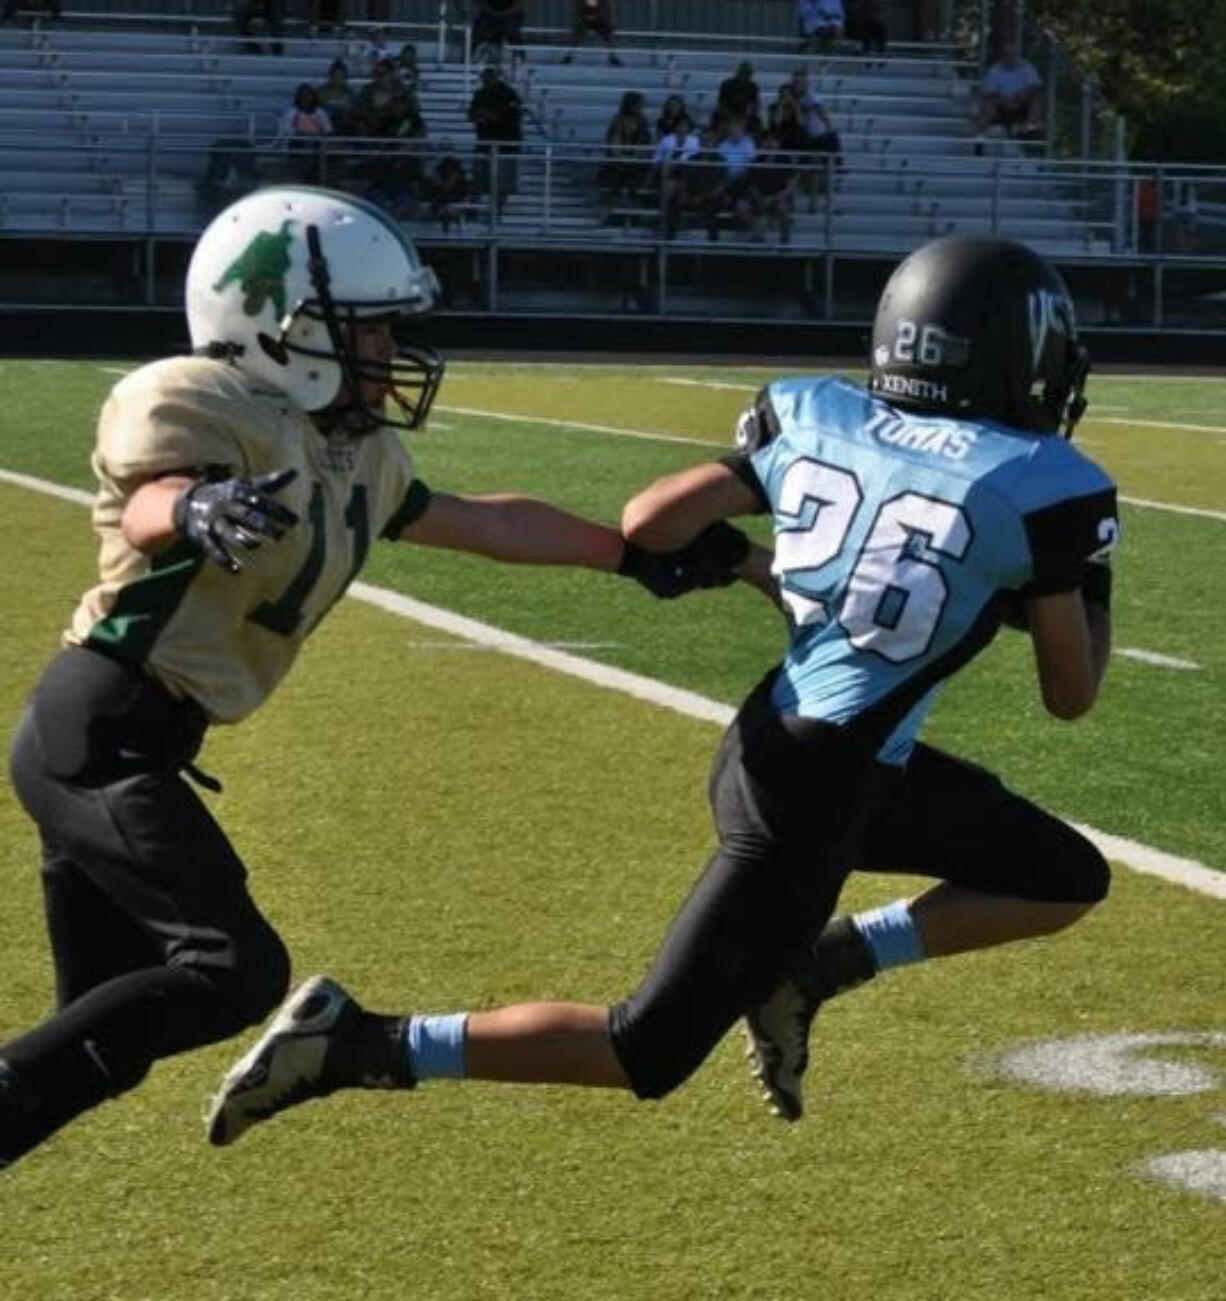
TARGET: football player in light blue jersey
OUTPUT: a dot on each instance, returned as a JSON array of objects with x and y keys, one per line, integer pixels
[{"x": 909, "y": 520}]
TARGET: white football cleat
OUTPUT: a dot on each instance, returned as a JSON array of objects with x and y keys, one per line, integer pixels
[
  {"x": 777, "y": 1031},
  {"x": 286, "y": 1065}
]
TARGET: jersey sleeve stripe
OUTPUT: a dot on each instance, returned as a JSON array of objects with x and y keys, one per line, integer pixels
[{"x": 413, "y": 507}]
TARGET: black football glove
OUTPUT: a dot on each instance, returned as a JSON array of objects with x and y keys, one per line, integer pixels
[
  {"x": 234, "y": 516},
  {"x": 708, "y": 561}
]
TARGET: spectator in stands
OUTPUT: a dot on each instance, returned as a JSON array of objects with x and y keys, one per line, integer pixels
[
  {"x": 264, "y": 15},
  {"x": 379, "y": 49},
  {"x": 822, "y": 138},
  {"x": 736, "y": 147},
  {"x": 450, "y": 192},
  {"x": 680, "y": 144},
  {"x": 673, "y": 151},
  {"x": 496, "y": 23},
  {"x": 738, "y": 150},
  {"x": 772, "y": 188},
  {"x": 306, "y": 116},
  {"x": 738, "y": 97},
  {"x": 626, "y": 139},
  {"x": 595, "y": 16},
  {"x": 674, "y": 109},
  {"x": 302, "y": 128},
  {"x": 340, "y": 100},
  {"x": 699, "y": 188},
  {"x": 820, "y": 23},
  {"x": 786, "y": 122},
  {"x": 406, "y": 65},
  {"x": 866, "y": 23},
  {"x": 496, "y": 112},
  {"x": 1011, "y": 95},
  {"x": 383, "y": 100}
]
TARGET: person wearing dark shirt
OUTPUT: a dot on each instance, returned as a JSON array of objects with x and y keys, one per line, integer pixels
[
  {"x": 739, "y": 95},
  {"x": 496, "y": 112},
  {"x": 772, "y": 181},
  {"x": 627, "y": 139}
]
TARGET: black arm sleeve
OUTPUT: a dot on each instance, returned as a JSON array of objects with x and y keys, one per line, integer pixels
[
  {"x": 1063, "y": 538},
  {"x": 412, "y": 508}
]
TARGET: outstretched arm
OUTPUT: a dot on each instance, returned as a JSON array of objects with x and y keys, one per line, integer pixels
[
  {"x": 515, "y": 529},
  {"x": 671, "y": 512}
]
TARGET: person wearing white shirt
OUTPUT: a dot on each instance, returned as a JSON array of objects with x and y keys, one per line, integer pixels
[
  {"x": 1011, "y": 95},
  {"x": 679, "y": 146},
  {"x": 820, "y": 23},
  {"x": 737, "y": 149}
]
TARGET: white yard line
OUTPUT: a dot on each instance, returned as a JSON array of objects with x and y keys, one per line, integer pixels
[
  {"x": 1156, "y": 658},
  {"x": 487, "y": 646},
  {"x": 1156, "y": 862},
  {"x": 1092, "y": 419},
  {"x": 1199, "y": 511},
  {"x": 652, "y": 434},
  {"x": 704, "y": 383},
  {"x": 1141, "y": 858}
]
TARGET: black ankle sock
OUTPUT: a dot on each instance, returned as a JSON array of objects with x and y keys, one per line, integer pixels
[
  {"x": 839, "y": 960},
  {"x": 369, "y": 1054}
]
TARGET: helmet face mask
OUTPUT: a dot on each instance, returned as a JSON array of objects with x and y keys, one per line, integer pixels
[
  {"x": 973, "y": 326},
  {"x": 280, "y": 284}
]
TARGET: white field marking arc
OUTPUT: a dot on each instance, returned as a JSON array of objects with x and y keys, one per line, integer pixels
[
  {"x": 1141, "y": 858},
  {"x": 1199, "y": 511},
  {"x": 1155, "y": 657}
]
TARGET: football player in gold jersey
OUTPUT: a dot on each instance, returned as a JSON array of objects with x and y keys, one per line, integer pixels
[{"x": 239, "y": 490}]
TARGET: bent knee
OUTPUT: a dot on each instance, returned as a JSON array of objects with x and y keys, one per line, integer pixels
[
  {"x": 657, "y": 1053},
  {"x": 254, "y": 983},
  {"x": 1089, "y": 878}
]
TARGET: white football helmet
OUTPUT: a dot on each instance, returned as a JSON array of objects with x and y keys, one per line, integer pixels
[{"x": 277, "y": 279}]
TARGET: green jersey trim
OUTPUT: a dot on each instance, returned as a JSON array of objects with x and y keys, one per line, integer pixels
[{"x": 145, "y": 606}]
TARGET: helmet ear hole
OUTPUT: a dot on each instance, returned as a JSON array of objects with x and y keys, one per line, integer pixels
[{"x": 273, "y": 348}]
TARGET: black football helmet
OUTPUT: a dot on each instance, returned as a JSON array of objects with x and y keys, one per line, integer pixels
[{"x": 970, "y": 325}]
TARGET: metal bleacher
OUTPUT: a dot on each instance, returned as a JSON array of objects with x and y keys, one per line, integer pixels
[
  {"x": 105, "y": 131},
  {"x": 911, "y": 169}
]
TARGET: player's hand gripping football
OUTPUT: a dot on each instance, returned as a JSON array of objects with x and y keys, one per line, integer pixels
[
  {"x": 230, "y": 519},
  {"x": 708, "y": 561}
]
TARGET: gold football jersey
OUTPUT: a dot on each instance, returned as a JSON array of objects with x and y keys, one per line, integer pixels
[{"x": 226, "y": 640}]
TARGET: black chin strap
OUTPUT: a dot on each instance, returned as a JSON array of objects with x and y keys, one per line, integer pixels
[{"x": 317, "y": 267}]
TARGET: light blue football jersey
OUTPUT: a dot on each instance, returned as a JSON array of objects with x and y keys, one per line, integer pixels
[{"x": 894, "y": 533}]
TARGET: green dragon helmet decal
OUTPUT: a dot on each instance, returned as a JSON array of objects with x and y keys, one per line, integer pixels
[
  {"x": 260, "y": 270},
  {"x": 277, "y": 282}
]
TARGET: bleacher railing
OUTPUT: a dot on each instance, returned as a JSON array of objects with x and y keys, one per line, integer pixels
[{"x": 1144, "y": 236}]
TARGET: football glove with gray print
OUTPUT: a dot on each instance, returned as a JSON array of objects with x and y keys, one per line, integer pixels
[{"x": 230, "y": 519}]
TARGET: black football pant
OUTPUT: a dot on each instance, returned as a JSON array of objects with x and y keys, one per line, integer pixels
[
  {"x": 157, "y": 945},
  {"x": 798, "y": 806}
]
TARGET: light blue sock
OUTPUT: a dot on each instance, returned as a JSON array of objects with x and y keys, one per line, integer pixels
[
  {"x": 434, "y": 1046},
  {"x": 891, "y": 934}
]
